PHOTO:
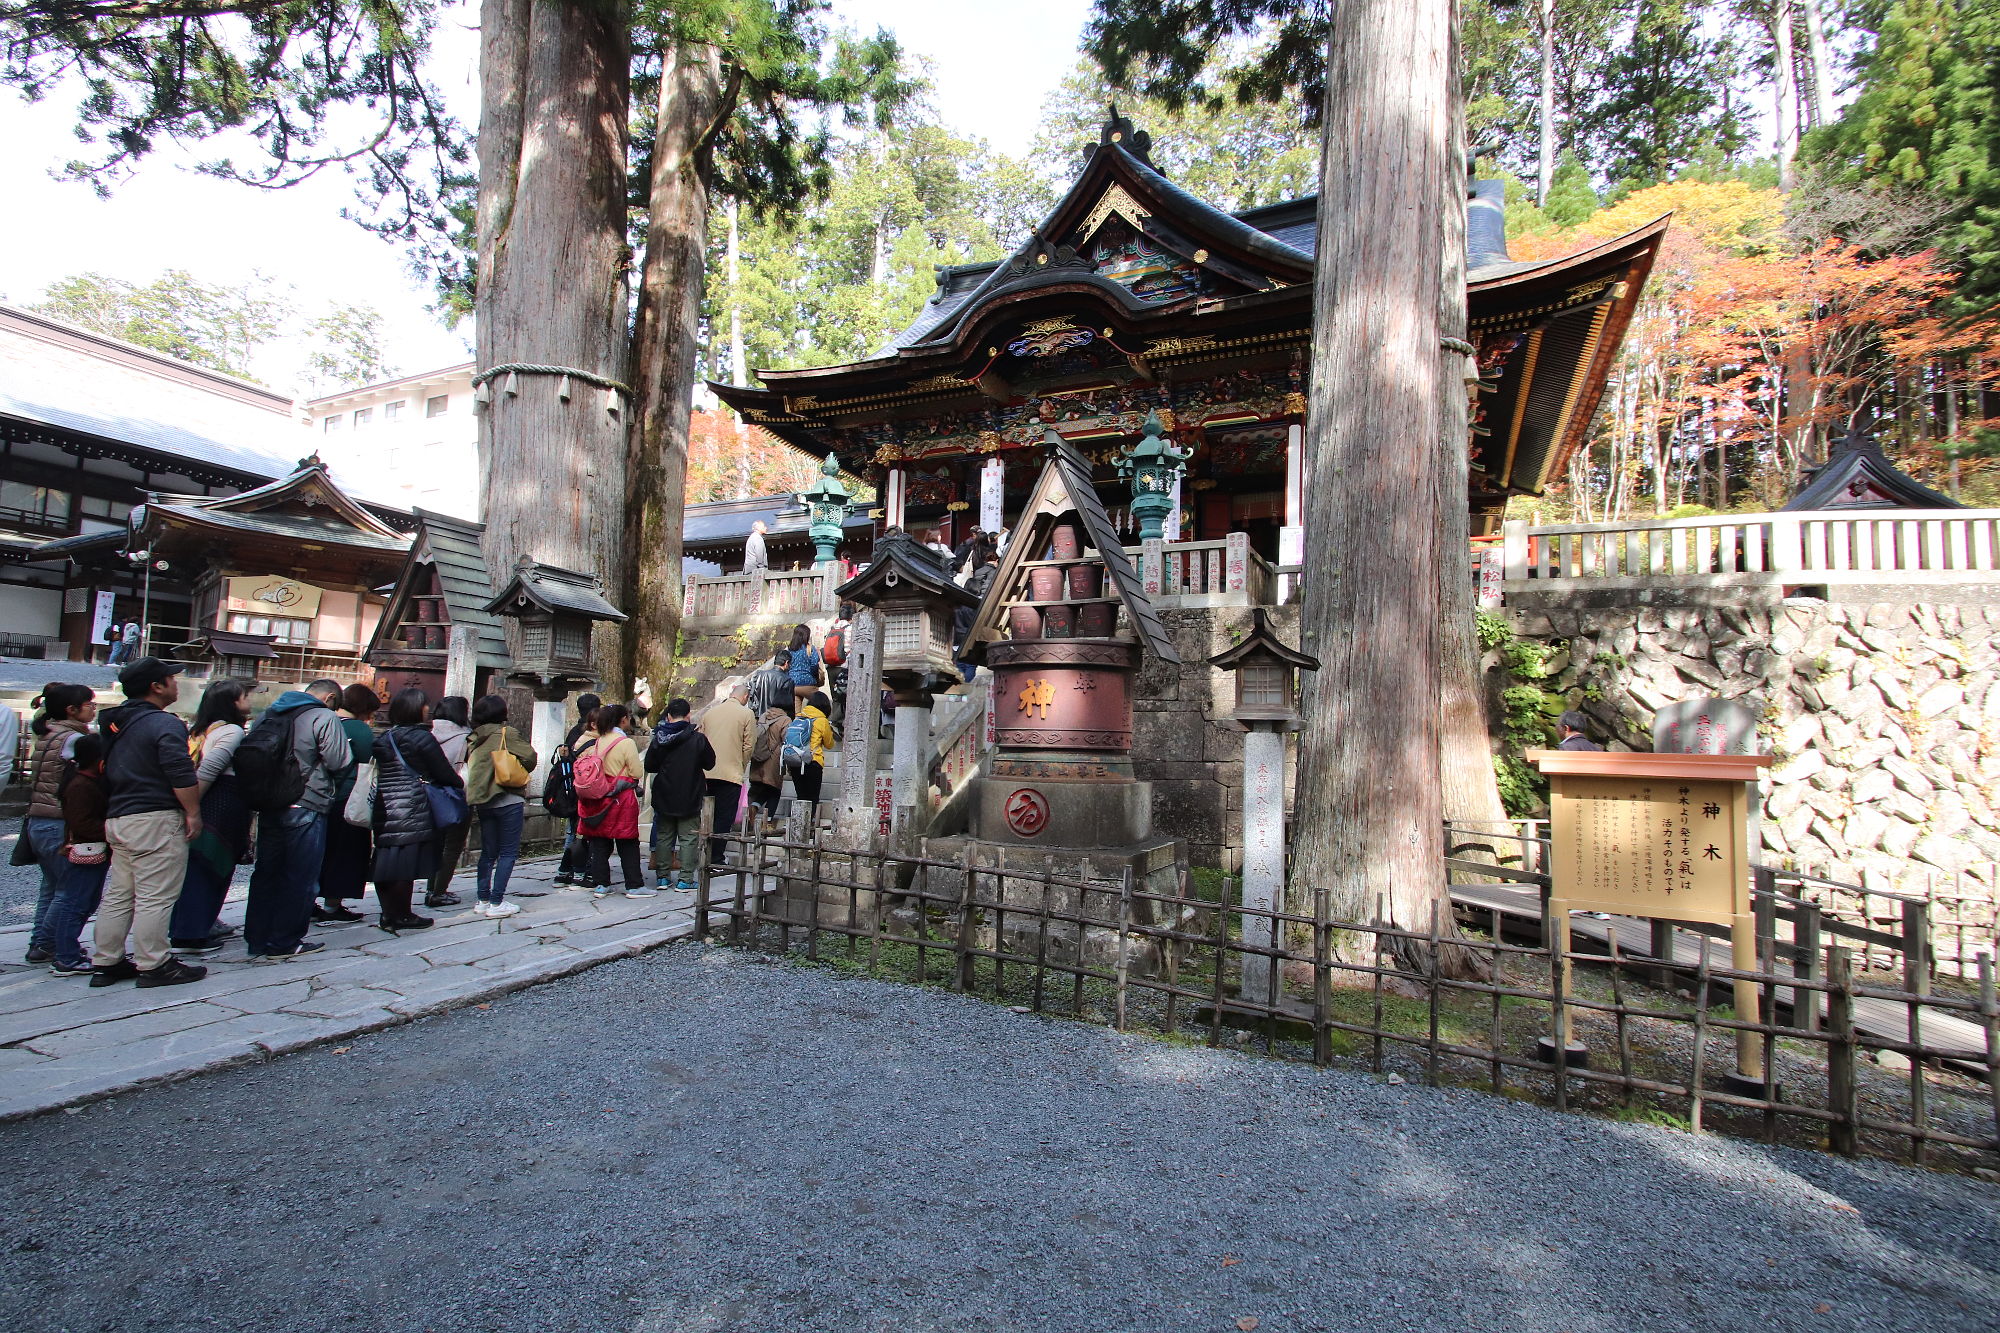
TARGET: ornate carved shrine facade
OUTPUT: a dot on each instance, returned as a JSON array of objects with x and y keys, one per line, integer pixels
[{"x": 1134, "y": 296}]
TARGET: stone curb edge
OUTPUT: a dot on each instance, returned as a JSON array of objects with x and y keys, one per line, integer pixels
[{"x": 506, "y": 985}]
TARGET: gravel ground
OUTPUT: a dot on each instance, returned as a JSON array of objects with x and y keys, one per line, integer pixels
[{"x": 700, "y": 1140}]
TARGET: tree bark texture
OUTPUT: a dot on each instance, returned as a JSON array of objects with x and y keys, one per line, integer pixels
[
  {"x": 665, "y": 352},
  {"x": 1392, "y": 207},
  {"x": 1785, "y": 93},
  {"x": 1818, "y": 65},
  {"x": 555, "y": 98},
  {"x": 1545, "y": 155}
]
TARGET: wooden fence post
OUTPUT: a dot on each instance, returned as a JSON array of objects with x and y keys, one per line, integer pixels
[
  {"x": 1917, "y": 948},
  {"x": 1845, "y": 1133}
]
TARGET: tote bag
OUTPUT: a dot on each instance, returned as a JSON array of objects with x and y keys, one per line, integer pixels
[{"x": 360, "y": 808}]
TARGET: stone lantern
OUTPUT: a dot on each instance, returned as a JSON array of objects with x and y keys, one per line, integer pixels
[
  {"x": 827, "y": 502},
  {"x": 910, "y": 589},
  {"x": 1152, "y": 465},
  {"x": 1265, "y": 672},
  {"x": 555, "y": 608}
]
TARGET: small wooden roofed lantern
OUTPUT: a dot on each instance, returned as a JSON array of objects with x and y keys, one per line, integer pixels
[
  {"x": 1266, "y": 672},
  {"x": 1858, "y": 475},
  {"x": 556, "y": 608},
  {"x": 911, "y": 589}
]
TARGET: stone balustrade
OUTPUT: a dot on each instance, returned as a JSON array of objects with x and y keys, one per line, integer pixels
[{"x": 1903, "y": 547}]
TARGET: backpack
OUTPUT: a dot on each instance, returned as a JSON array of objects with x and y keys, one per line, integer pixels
[
  {"x": 834, "y": 651},
  {"x": 267, "y": 764},
  {"x": 587, "y": 777},
  {"x": 797, "y": 751},
  {"x": 559, "y": 791},
  {"x": 760, "y": 753}
]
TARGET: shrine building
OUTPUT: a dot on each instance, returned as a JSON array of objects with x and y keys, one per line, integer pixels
[{"x": 1134, "y": 296}]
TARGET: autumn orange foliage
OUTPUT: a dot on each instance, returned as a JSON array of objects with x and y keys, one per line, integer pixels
[
  {"x": 1751, "y": 352},
  {"x": 730, "y": 460}
]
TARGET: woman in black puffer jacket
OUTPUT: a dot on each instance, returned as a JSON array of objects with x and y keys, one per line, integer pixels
[{"x": 406, "y": 846}]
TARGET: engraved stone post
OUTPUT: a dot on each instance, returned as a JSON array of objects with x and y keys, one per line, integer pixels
[
  {"x": 858, "y": 724},
  {"x": 461, "y": 662},
  {"x": 1263, "y": 855}
]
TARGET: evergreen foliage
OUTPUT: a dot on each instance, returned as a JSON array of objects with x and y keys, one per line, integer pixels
[{"x": 1928, "y": 118}]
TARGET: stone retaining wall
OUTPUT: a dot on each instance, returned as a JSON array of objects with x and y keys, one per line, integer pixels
[
  {"x": 1194, "y": 763},
  {"x": 1884, "y": 720}
]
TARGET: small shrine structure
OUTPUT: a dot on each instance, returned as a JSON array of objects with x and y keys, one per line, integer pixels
[{"x": 1858, "y": 475}]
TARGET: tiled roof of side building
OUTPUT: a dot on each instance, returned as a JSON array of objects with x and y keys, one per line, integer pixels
[{"x": 75, "y": 380}]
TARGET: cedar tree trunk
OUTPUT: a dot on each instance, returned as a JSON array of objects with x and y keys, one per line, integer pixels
[
  {"x": 555, "y": 81},
  {"x": 1391, "y": 229},
  {"x": 665, "y": 354}
]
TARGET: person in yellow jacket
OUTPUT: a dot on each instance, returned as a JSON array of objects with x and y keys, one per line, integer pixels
[
  {"x": 806, "y": 780},
  {"x": 731, "y": 729}
]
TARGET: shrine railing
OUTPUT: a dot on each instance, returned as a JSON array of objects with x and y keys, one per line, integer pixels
[
  {"x": 732, "y": 599},
  {"x": 1904, "y": 546},
  {"x": 1211, "y": 573}
]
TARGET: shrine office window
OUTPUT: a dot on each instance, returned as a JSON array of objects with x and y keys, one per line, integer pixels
[
  {"x": 392, "y": 411},
  {"x": 363, "y": 417},
  {"x": 282, "y": 629},
  {"x": 331, "y": 424},
  {"x": 1261, "y": 685},
  {"x": 438, "y": 406}
]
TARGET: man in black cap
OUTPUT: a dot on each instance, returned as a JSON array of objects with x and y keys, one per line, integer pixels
[{"x": 154, "y": 812}]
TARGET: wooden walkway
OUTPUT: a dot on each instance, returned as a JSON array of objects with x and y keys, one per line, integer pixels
[{"x": 1944, "y": 1035}]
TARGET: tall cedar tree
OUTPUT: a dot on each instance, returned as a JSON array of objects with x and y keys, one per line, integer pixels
[
  {"x": 1385, "y": 588},
  {"x": 555, "y": 106},
  {"x": 735, "y": 80}
]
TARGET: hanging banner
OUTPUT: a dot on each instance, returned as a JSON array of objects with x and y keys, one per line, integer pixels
[
  {"x": 270, "y": 595},
  {"x": 101, "y": 617},
  {"x": 1171, "y": 529},
  {"x": 992, "y": 495}
]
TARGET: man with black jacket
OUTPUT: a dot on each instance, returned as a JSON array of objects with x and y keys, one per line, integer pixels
[
  {"x": 291, "y": 841},
  {"x": 154, "y": 811},
  {"x": 678, "y": 758}
]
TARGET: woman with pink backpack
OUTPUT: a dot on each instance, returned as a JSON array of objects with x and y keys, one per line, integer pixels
[{"x": 606, "y": 778}]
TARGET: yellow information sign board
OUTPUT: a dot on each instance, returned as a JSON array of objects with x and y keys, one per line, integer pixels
[
  {"x": 1665, "y": 836},
  {"x": 1653, "y": 847}
]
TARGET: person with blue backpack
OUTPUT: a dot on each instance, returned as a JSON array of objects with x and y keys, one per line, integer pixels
[{"x": 804, "y": 752}]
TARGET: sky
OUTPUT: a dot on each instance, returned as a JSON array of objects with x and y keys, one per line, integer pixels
[{"x": 994, "y": 65}]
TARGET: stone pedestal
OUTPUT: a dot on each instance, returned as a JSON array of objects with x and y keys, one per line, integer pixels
[{"x": 909, "y": 763}]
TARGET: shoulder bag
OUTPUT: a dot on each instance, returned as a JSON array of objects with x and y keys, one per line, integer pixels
[{"x": 447, "y": 804}]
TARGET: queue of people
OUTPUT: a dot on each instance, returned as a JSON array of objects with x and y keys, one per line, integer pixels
[{"x": 139, "y": 820}]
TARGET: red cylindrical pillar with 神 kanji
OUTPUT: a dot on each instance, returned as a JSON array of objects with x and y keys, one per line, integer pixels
[{"x": 1061, "y": 773}]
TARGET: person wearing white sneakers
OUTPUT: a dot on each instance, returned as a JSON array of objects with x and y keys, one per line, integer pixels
[{"x": 495, "y": 787}]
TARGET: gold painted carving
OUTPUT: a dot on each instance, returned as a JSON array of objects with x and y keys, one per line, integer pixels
[
  {"x": 1036, "y": 694},
  {"x": 1295, "y": 403},
  {"x": 1115, "y": 200},
  {"x": 938, "y": 382},
  {"x": 1176, "y": 346}
]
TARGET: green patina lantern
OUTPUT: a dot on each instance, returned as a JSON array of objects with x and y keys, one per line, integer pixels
[
  {"x": 827, "y": 501},
  {"x": 1152, "y": 465}
]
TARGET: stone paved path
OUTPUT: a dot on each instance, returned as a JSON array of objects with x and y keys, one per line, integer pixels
[{"x": 62, "y": 1042}]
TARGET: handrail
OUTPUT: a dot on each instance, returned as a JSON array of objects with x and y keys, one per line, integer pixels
[{"x": 1829, "y": 546}]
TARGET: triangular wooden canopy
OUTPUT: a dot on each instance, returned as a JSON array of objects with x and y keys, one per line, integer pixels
[{"x": 1065, "y": 488}]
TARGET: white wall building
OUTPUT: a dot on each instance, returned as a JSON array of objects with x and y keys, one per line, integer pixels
[{"x": 410, "y": 442}]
